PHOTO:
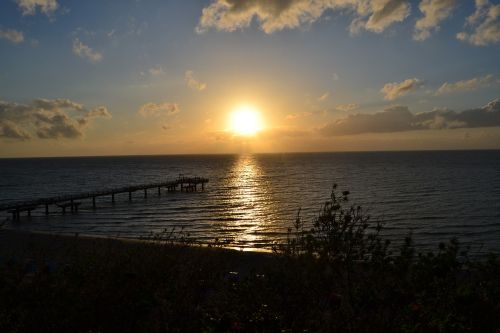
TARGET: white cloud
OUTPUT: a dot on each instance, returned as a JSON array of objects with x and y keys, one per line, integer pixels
[
  {"x": 29, "y": 7},
  {"x": 395, "y": 90},
  {"x": 465, "y": 85},
  {"x": 194, "y": 83},
  {"x": 385, "y": 13},
  {"x": 46, "y": 119},
  {"x": 12, "y": 35},
  {"x": 484, "y": 25},
  {"x": 435, "y": 11},
  {"x": 159, "y": 109},
  {"x": 275, "y": 15},
  {"x": 85, "y": 52},
  {"x": 347, "y": 107}
]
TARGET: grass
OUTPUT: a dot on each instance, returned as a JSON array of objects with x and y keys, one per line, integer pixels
[{"x": 339, "y": 275}]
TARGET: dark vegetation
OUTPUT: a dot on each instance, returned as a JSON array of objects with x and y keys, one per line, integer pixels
[{"x": 338, "y": 276}]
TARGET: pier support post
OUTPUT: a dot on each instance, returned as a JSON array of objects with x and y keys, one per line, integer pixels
[
  {"x": 29, "y": 212},
  {"x": 203, "y": 186},
  {"x": 129, "y": 196},
  {"x": 93, "y": 202},
  {"x": 145, "y": 193},
  {"x": 159, "y": 191},
  {"x": 46, "y": 209}
]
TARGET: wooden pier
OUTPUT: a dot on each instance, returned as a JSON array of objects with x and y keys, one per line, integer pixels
[{"x": 72, "y": 201}]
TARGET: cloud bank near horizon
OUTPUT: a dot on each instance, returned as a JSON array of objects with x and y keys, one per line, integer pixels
[{"x": 400, "y": 119}]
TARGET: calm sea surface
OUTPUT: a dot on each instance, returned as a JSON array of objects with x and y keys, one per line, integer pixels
[{"x": 252, "y": 199}]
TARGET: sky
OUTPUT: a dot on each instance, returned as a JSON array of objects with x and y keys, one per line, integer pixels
[{"x": 127, "y": 77}]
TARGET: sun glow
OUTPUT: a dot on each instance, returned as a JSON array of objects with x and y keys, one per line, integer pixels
[{"x": 245, "y": 120}]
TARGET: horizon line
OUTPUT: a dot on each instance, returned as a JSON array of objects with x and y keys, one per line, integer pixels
[{"x": 252, "y": 153}]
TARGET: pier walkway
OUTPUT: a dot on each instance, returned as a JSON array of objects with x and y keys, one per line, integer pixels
[{"x": 187, "y": 184}]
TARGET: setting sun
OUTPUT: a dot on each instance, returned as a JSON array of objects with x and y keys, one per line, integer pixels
[{"x": 245, "y": 120}]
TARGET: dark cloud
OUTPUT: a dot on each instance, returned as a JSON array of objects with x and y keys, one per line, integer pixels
[
  {"x": 400, "y": 119},
  {"x": 58, "y": 125},
  {"x": 46, "y": 119},
  {"x": 9, "y": 130}
]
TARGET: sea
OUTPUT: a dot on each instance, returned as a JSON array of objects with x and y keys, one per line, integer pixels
[{"x": 252, "y": 199}]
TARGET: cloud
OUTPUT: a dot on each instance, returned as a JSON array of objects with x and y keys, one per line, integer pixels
[
  {"x": 46, "y": 119},
  {"x": 275, "y": 15},
  {"x": 400, "y": 119},
  {"x": 435, "y": 11},
  {"x": 484, "y": 25},
  {"x": 324, "y": 97},
  {"x": 159, "y": 109},
  {"x": 57, "y": 125},
  {"x": 85, "y": 52},
  {"x": 99, "y": 112},
  {"x": 395, "y": 90},
  {"x": 54, "y": 104},
  {"x": 385, "y": 13},
  {"x": 465, "y": 85},
  {"x": 10, "y": 130},
  {"x": 12, "y": 35},
  {"x": 193, "y": 83},
  {"x": 347, "y": 107},
  {"x": 156, "y": 71},
  {"x": 29, "y": 7}
]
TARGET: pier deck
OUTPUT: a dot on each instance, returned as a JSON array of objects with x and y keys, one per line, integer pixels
[{"x": 188, "y": 184}]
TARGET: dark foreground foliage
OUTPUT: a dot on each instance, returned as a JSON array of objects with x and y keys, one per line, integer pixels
[{"x": 338, "y": 276}]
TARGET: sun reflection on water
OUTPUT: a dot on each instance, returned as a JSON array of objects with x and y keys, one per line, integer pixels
[{"x": 250, "y": 201}]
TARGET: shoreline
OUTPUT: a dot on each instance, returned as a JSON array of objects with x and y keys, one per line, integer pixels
[
  {"x": 23, "y": 245},
  {"x": 132, "y": 240}
]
